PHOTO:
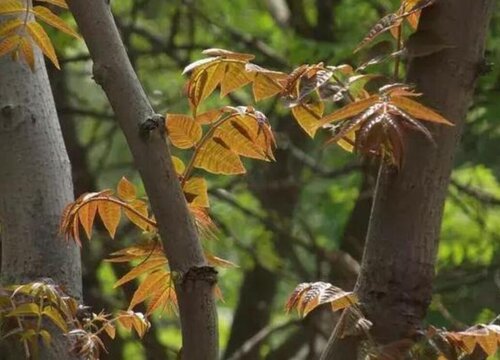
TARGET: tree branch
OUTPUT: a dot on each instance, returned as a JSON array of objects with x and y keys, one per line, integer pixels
[{"x": 195, "y": 280}]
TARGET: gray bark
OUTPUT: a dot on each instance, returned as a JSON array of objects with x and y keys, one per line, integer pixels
[
  {"x": 35, "y": 185},
  {"x": 395, "y": 285},
  {"x": 113, "y": 71}
]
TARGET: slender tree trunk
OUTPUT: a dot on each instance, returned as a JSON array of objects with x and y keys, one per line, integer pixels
[
  {"x": 35, "y": 186},
  {"x": 395, "y": 285},
  {"x": 144, "y": 132}
]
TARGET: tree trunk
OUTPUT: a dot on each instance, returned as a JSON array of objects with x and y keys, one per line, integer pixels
[
  {"x": 35, "y": 185},
  {"x": 395, "y": 284},
  {"x": 145, "y": 135}
]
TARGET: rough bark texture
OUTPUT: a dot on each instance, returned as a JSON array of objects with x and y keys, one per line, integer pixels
[
  {"x": 113, "y": 71},
  {"x": 35, "y": 186},
  {"x": 395, "y": 284}
]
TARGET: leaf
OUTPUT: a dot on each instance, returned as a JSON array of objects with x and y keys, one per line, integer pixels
[
  {"x": 144, "y": 267},
  {"x": 309, "y": 116},
  {"x": 86, "y": 214},
  {"x": 248, "y": 135},
  {"x": 166, "y": 298},
  {"x": 226, "y": 54},
  {"x": 136, "y": 320},
  {"x": 11, "y": 7},
  {"x": 196, "y": 191},
  {"x": 386, "y": 23},
  {"x": 418, "y": 110},
  {"x": 110, "y": 213},
  {"x": 142, "y": 208},
  {"x": 41, "y": 38},
  {"x": 9, "y": 26},
  {"x": 204, "y": 80},
  {"x": 26, "y": 309},
  {"x": 208, "y": 117},
  {"x": 178, "y": 165},
  {"x": 216, "y": 157},
  {"x": 9, "y": 44},
  {"x": 46, "y": 337},
  {"x": 219, "y": 262},
  {"x": 148, "y": 286},
  {"x": 26, "y": 49},
  {"x": 308, "y": 296},
  {"x": 266, "y": 83},
  {"x": 350, "y": 110},
  {"x": 59, "y": 3},
  {"x": 110, "y": 330},
  {"x": 234, "y": 78},
  {"x": 183, "y": 131},
  {"x": 126, "y": 190},
  {"x": 55, "y": 316},
  {"x": 47, "y": 16}
]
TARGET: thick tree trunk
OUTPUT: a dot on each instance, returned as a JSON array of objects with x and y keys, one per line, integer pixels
[
  {"x": 35, "y": 185},
  {"x": 395, "y": 285},
  {"x": 144, "y": 132}
]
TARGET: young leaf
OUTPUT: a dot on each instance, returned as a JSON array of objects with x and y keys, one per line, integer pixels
[
  {"x": 110, "y": 213},
  {"x": 350, "y": 110},
  {"x": 148, "y": 265},
  {"x": 47, "y": 16},
  {"x": 41, "y": 38},
  {"x": 178, "y": 165},
  {"x": 86, "y": 214},
  {"x": 234, "y": 78},
  {"x": 141, "y": 208},
  {"x": 26, "y": 49},
  {"x": 195, "y": 190},
  {"x": 418, "y": 110},
  {"x": 183, "y": 131},
  {"x": 55, "y": 316},
  {"x": 126, "y": 190},
  {"x": 10, "y": 26},
  {"x": 309, "y": 116},
  {"x": 58, "y": 3},
  {"x": 216, "y": 156},
  {"x": 8, "y": 7},
  {"x": 149, "y": 286},
  {"x": 266, "y": 83},
  {"x": 386, "y": 23}
]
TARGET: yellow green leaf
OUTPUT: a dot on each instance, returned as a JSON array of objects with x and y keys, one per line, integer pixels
[
  {"x": 126, "y": 190},
  {"x": 183, "y": 131},
  {"x": 27, "y": 309},
  {"x": 178, "y": 165},
  {"x": 110, "y": 213},
  {"x": 46, "y": 337},
  {"x": 9, "y": 44},
  {"x": 41, "y": 38},
  {"x": 53, "y": 314},
  {"x": 47, "y": 16},
  {"x": 26, "y": 49}
]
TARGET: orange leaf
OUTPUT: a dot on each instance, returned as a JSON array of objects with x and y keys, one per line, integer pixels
[
  {"x": 86, "y": 214},
  {"x": 26, "y": 49},
  {"x": 126, "y": 190},
  {"x": 208, "y": 117},
  {"x": 163, "y": 298},
  {"x": 418, "y": 110},
  {"x": 308, "y": 115},
  {"x": 59, "y": 3},
  {"x": 234, "y": 78},
  {"x": 9, "y": 44},
  {"x": 247, "y": 136},
  {"x": 110, "y": 213},
  {"x": 204, "y": 80},
  {"x": 183, "y": 131},
  {"x": 350, "y": 110},
  {"x": 266, "y": 83},
  {"x": 216, "y": 157},
  {"x": 8, "y": 7},
  {"x": 226, "y": 54},
  {"x": 148, "y": 285},
  {"x": 144, "y": 267},
  {"x": 142, "y": 208},
  {"x": 10, "y": 26}
]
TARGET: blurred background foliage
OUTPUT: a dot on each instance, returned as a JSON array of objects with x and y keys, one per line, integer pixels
[{"x": 302, "y": 218}]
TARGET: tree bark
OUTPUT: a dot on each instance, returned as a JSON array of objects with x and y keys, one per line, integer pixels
[
  {"x": 195, "y": 280},
  {"x": 35, "y": 186},
  {"x": 395, "y": 284}
]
